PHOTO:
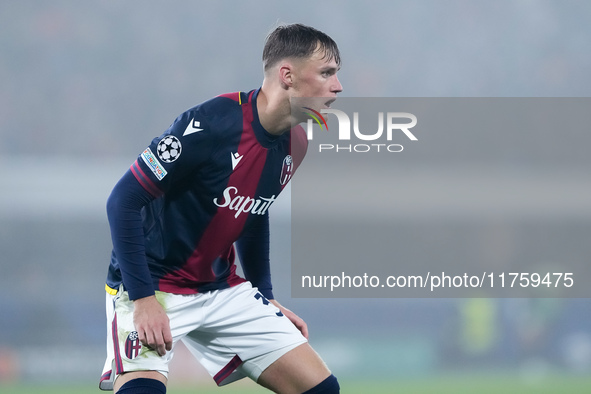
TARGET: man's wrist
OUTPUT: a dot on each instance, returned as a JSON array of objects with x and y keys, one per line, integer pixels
[{"x": 144, "y": 299}]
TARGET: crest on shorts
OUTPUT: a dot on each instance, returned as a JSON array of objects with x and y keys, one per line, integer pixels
[
  {"x": 286, "y": 170},
  {"x": 133, "y": 346}
]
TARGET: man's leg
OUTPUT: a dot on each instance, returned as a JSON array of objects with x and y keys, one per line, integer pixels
[
  {"x": 136, "y": 368},
  {"x": 146, "y": 378},
  {"x": 298, "y": 371}
]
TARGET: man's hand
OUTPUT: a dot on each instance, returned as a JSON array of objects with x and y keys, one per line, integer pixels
[
  {"x": 295, "y": 319},
  {"x": 152, "y": 324}
]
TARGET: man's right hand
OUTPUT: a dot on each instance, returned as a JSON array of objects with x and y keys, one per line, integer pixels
[{"x": 152, "y": 324}]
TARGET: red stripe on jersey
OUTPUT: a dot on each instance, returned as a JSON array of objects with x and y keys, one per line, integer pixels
[
  {"x": 143, "y": 179},
  {"x": 227, "y": 370},
  {"x": 298, "y": 145},
  {"x": 224, "y": 227}
]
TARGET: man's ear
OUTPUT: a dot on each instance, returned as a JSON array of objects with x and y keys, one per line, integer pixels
[{"x": 286, "y": 74}]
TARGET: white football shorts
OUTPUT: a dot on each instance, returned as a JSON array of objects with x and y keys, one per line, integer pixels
[{"x": 233, "y": 333}]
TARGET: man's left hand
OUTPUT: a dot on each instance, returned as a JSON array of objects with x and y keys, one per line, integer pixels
[{"x": 295, "y": 319}]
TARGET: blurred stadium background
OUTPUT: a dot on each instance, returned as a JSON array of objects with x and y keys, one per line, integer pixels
[{"x": 86, "y": 85}]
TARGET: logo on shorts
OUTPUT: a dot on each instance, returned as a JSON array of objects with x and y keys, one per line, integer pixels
[{"x": 133, "y": 346}]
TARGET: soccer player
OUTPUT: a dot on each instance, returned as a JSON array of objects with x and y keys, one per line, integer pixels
[{"x": 196, "y": 196}]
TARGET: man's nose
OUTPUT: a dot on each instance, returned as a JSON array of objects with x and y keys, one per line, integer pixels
[{"x": 337, "y": 87}]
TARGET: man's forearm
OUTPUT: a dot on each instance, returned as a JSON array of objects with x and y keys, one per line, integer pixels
[{"x": 124, "y": 212}]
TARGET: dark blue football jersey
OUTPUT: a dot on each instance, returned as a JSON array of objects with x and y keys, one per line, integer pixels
[{"x": 210, "y": 177}]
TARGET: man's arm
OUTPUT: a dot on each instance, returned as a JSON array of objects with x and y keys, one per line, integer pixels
[
  {"x": 253, "y": 250},
  {"x": 124, "y": 212},
  {"x": 124, "y": 207}
]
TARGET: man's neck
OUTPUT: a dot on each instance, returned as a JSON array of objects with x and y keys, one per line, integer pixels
[{"x": 274, "y": 110}]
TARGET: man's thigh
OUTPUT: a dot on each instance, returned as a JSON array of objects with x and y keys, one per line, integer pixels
[
  {"x": 241, "y": 327},
  {"x": 222, "y": 329},
  {"x": 126, "y": 355},
  {"x": 297, "y": 371}
]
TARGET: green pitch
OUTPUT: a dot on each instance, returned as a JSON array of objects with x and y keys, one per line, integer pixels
[{"x": 442, "y": 385}]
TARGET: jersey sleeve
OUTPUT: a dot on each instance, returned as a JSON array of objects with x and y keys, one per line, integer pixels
[
  {"x": 299, "y": 145},
  {"x": 187, "y": 144},
  {"x": 181, "y": 149},
  {"x": 124, "y": 213},
  {"x": 253, "y": 251}
]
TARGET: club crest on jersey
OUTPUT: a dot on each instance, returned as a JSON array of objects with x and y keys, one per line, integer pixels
[
  {"x": 169, "y": 149},
  {"x": 133, "y": 346},
  {"x": 286, "y": 170}
]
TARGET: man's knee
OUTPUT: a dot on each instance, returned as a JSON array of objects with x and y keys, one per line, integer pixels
[
  {"x": 329, "y": 385},
  {"x": 143, "y": 386}
]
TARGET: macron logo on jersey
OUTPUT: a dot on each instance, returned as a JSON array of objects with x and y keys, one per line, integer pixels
[
  {"x": 236, "y": 157},
  {"x": 192, "y": 127},
  {"x": 240, "y": 204}
]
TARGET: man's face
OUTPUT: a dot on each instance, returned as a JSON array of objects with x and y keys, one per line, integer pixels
[{"x": 316, "y": 77}]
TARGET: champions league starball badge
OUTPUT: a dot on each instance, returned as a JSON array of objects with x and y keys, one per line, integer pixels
[{"x": 169, "y": 149}]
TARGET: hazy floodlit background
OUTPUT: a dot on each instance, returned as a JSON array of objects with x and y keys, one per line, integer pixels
[{"x": 84, "y": 87}]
